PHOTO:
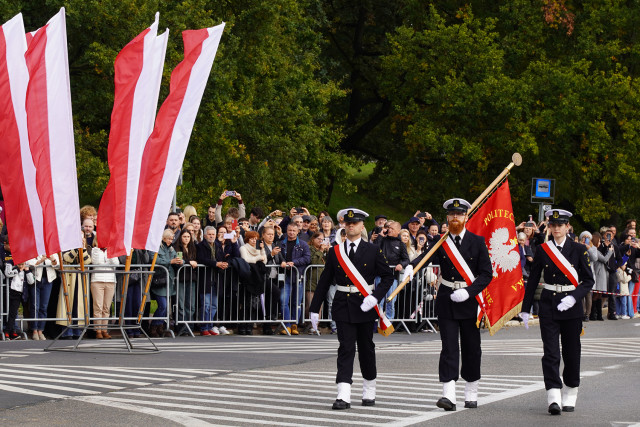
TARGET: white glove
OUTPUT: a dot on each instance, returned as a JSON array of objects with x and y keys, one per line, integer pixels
[
  {"x": 408, "y": 272},
  {"x": 459, "y": 295},
  {"x": 525, "y": 318},
  {"x": 566, "y": 303},
  {"x": 368, "y": 303},
  {"x": 315, "y": 317}
]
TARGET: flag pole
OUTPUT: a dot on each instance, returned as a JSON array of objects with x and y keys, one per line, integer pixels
[
  {"x": 84, "y": 288},
  {"x": 516, "y": 160},
  {"x": 146, "y": 288},
  {"x": 125, "y": 285},
  {"x": 65, "y": 289}
]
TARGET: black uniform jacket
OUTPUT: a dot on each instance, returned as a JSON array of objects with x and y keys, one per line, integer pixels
[
  {"x": 474, "y": 251},
  {"x": 576, "y": 254},
  {"x": 370, "y": 262}
]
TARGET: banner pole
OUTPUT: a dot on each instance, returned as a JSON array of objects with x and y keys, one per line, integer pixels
[
  {"x": 125, "y": 285},
  {"x": 65, "y": 289},
  {"x": 84, "y": 288},
  {"x": 146, "y": 288},
  {"x": 516, "y": 160}
]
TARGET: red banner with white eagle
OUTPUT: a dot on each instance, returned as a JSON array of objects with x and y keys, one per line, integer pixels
[{"x": 495, "y": 221}]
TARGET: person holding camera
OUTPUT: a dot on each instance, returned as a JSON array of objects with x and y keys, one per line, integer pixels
[
  {"x": 239, "y": 212},
  {"x": 614, "y": 262},
  {"x": 397, "y": 258},
  {"x": 381, "y": 220}
]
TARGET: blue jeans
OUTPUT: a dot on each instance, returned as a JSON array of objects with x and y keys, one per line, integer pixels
[
  {"x": 630, "y": 310},
  {"x": 388, "y": 307},
  {"x": 39, "y": 300},
  {"x": 621, "y": 305},
  {"x": 161, "y": 311},
  {"x": 209, "y": 309},
  {"x": 289, "y": 296}
]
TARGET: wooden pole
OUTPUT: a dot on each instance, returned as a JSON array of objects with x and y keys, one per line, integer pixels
[
  {"x": 516, "y": 161},
  {"x": 65, "y": 289},
  {"x": 125, "y": 285},
  {"x": 84, "y": 288},
  {"x": 146, "y": 288}
]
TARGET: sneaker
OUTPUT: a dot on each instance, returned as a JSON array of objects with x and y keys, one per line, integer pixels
[
  {"x": 205, "y": 333},
  {"x": 334, "y": 331},
  {"x": 35, "y": 336},
  {"x": 625, "y": 317},
  {"x": 14, "y": 336},
  {"x": 214, "y": 331},
  {"x": 43, "y": 338},
  {"x": 6, "y": 335},
  {"x": 312, "y": 332},
  {"x": 637, "y": 315},
  {"x": 223, "y": 331}
]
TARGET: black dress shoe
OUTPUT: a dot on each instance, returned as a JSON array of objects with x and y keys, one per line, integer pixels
[
  {"x": 470, "y": 404},
  {"x": 612, "y": 318},
  {"x": 446, "y": 404},
  {"x": 568, "y": 409},
  {"x": 368, "y": 402},
  {"x": 341, "y": 404},
  {"x": 554, "y": 409}
]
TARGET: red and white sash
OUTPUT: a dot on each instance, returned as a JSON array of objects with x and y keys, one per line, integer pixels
[
  {"x": 358, "y": 281},
  {"x": 458, "y": 261},
  {"x": 561, "y": 262}
]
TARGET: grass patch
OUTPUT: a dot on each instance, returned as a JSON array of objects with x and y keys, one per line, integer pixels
[{"x": 373, "y": 205}]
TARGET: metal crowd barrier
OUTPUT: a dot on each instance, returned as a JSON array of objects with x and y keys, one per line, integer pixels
[
  {"x": 413, "y": 306},
  {"x": 78, "y": 322},
  {"x": 4, "y": 301},
  {"x": 213, "y": 297}
]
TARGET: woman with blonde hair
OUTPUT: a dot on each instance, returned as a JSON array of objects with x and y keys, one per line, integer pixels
[{"x": 189, "y": 211}]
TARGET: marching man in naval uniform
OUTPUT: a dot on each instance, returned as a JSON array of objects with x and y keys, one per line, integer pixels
[
  {"x": 465, "y": 270},
  {"x": 353, "y": 265},
  {"x": 567, "y": 279}
]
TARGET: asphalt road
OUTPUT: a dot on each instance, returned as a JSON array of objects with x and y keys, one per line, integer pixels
[{"x": 279, "y": 380}]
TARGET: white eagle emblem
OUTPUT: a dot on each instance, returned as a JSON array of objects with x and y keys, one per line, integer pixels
[{"x": 503, "y": 251}]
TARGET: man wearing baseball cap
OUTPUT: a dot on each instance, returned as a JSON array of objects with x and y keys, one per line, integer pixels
[{"x": 567, "y": 279}]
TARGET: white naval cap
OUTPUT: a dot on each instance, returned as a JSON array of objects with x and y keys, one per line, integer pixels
[
  {"x": 558, "y": 216},
  {"x": 352, "y": 215},
  {"x": 456, "y": 205}
]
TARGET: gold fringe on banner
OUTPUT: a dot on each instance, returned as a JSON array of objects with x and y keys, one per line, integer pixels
[{"x": 504, "y": 319}]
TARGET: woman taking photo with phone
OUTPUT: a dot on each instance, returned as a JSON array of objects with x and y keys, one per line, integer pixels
[{"x": 186, "y": 250}]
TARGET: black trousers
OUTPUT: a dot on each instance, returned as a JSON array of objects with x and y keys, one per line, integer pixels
[
  {"x": 569, "y": 333},
  {"x": 348, "y": 335},
  {"x": 469, "y": 347}
]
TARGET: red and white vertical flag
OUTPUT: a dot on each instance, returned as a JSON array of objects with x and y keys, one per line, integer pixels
[
  {"x": 50, "y": 124},
  {"x": 495, "y": 221},
  {"x": 17, "y": 172},
  {"x": 166, "y": 148},
  {"x": 138, "y": 73}
]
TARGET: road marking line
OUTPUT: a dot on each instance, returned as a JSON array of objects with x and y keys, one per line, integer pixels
[
  {"x": 612, "y": 367},
  {"x": 42, "y": 376},
  {"x": 49, "y": 386},
  {"x": 32, "y": 392}
]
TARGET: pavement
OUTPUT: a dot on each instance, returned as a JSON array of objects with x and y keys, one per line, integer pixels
[{"x": 282, "y": 380}]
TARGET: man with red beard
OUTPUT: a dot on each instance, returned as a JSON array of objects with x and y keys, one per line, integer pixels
[{"x": 456, "y": 305}]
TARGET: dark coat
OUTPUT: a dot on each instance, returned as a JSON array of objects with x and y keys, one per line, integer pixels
[
  {"x": 370, "y": 262},
  {"x": 576, "y": 254},
  {"x": 208, "y": 274},
  {"x": 301, "y": 256},
  {"x": 394, "y": 251},
  {"x": 474, "y": 251}
]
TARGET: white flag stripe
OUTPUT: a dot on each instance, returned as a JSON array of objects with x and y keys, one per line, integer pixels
[
  {"x": 181, "y": 134},
  {"x": 64, "y": 180}
]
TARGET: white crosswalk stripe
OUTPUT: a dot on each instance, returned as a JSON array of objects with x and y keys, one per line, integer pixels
[
  {"x": 21, "y": 353},
  {"x": 591, "y": 347},
  {"x": 64, "y": 381},
  {"x": 286, "y": 398}
]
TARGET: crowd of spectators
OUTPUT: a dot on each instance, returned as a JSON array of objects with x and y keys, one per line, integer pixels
[{"x": 269, "y": 253}]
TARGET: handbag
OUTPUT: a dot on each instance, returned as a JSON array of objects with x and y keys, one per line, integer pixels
[{"x": 159, "y": 279}]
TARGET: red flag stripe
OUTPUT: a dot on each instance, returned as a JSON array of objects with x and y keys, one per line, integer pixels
[
  {"x": 23, "y": 213},
  {"x": 170, "y": 137},
  {"x": 456, "y": 258},
  {"x": 50, "y": 124},
  {"x": 128, "y": 67}
]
